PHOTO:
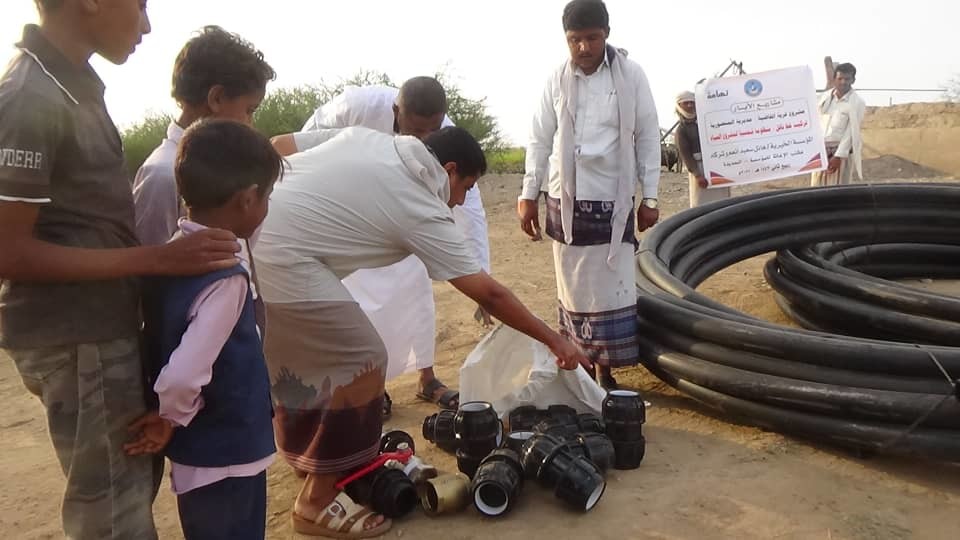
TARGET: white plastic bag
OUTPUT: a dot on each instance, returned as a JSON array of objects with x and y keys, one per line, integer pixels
[{"x": 510, "y": 369}]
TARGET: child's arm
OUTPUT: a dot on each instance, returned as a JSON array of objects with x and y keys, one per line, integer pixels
[{"x": 213, "y": 316}]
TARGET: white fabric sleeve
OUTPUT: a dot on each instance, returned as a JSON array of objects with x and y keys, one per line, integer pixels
[
  {"x": 537, "y": 162},
  {"x": 156, "y": 203},
  {"x": 471, "y": 218},
  {"x": 857, "y": 110},
  {"x": 305, "y": 140},
  {"x": 647, "y": 137},
  {"x": 441, "y": 246}
]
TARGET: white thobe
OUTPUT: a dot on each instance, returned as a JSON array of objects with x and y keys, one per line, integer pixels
[{"x": 398, "y": 299}]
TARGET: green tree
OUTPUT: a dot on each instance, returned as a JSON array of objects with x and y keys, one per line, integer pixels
[
  {"x": 285, "y": 110},
  {"x": 140, "y": 139}
]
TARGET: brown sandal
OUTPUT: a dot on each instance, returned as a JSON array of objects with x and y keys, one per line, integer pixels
[{"x": 342, "y": 519}]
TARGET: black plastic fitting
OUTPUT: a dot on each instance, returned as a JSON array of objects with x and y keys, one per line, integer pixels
[
  {"x": 562, "y": 428},
  {"x": 387, "y": 491},
  {"x": 468, "y": 462},
  {"x": 477, "y": 423},
  {"x": 516, "y": 439},
  {"x": 590, "y": 423},
  {"x": 564, "y": 413},
  {"x": 439, "y": 429},
  {"x": 497, "y": 483},
  {"x": 392, "y": 440},
  {"x": 523, "y": 418},
  {"x": 599, "y": 449},
  {"x": 628, "y": 454}
]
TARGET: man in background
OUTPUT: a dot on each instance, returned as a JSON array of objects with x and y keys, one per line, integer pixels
[{"x": 841, "y": 116}]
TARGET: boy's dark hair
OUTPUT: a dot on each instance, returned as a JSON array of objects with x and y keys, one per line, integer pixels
[
  {"x": 423, "y": 96},
  {"x": 847, "y": 68},
  {"x": 218, "y": 57},
  {"x": 218, "y": 158},
  {"x": 585, "y": 14},
  {"x": 457, "y": 145}
]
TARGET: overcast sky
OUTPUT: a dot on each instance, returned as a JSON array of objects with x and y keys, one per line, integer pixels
[{"x": 504, "y": 50}]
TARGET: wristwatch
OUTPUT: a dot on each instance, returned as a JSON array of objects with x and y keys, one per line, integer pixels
[{"x": 649, "y": 203}]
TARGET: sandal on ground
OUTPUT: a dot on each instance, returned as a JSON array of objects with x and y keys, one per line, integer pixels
[
  {"x": 449, "y": 399},
  {"x": 387, "y": 406},
  {"x": 342, "y": 518}
]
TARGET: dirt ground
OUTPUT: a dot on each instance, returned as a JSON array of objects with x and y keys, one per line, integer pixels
[{"x": 702, "y": 477}]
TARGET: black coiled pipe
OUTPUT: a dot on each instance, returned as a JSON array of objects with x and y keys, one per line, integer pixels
[{"x": 883, "y": 389}]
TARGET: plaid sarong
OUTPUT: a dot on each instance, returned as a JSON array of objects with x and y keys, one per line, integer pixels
[
  {"x": 592, "y": 223},
  {"x": 607, "y": 337}
]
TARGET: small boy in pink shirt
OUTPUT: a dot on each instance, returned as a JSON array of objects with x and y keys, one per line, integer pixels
[{"x": 203, "y": 347}]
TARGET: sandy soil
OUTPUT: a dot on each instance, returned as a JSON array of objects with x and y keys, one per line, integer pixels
[{"x": 703, "y": 477}]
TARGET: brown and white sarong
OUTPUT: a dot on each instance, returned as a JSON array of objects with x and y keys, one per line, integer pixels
[{"x": 327, "y": 369}]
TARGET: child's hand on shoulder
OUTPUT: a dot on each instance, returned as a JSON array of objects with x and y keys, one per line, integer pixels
[{"x": 153, "y": 434}]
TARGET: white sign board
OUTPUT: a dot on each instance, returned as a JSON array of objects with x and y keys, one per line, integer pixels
[{"x": 759, "y": 127}]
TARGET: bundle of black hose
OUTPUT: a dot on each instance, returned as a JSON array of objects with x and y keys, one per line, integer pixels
[
  {"x": 393, "y": 440},
  {"x": 477, "y": 423},
  {"x": 516, "y": 439},
  {"x": 599, "y": 449},
  {"x": 439, "y": 429},
  {"x": 686, "y": 333},
  {"x": 590, "y": 423},
  {"x": 497, "y": 483},
  {"x": 385, "y": 490}
]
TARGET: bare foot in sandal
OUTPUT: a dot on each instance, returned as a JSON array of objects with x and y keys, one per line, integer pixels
[
  {"x": 433, "y": 391},
  {"x": 322, "y": 510}
]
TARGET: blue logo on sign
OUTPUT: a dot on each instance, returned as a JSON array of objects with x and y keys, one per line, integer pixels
[{"x": 753, "y": 88}]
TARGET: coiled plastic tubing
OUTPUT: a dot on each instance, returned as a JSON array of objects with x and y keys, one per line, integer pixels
[{"x": 876, "y": 364}]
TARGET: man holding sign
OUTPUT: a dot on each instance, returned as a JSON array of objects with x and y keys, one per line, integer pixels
[
  {"x": 759, "y": 127},
  {"x": 841, "y": 115}
]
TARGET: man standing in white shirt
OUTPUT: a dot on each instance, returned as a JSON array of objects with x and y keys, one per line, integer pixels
[
  {"x": 595, "y": 139},
  {"x": 841, "y": 114},
  {"x": 398, "y": 299}
]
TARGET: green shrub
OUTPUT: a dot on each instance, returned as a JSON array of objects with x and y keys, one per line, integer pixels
[
  {"x": 285, "y": 110},
  {"x": 506, "y": 161},
  {"x": 140, "y": 139}
]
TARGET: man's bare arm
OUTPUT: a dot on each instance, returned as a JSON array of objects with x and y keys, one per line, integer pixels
[{"x": 502, "y": 304}]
